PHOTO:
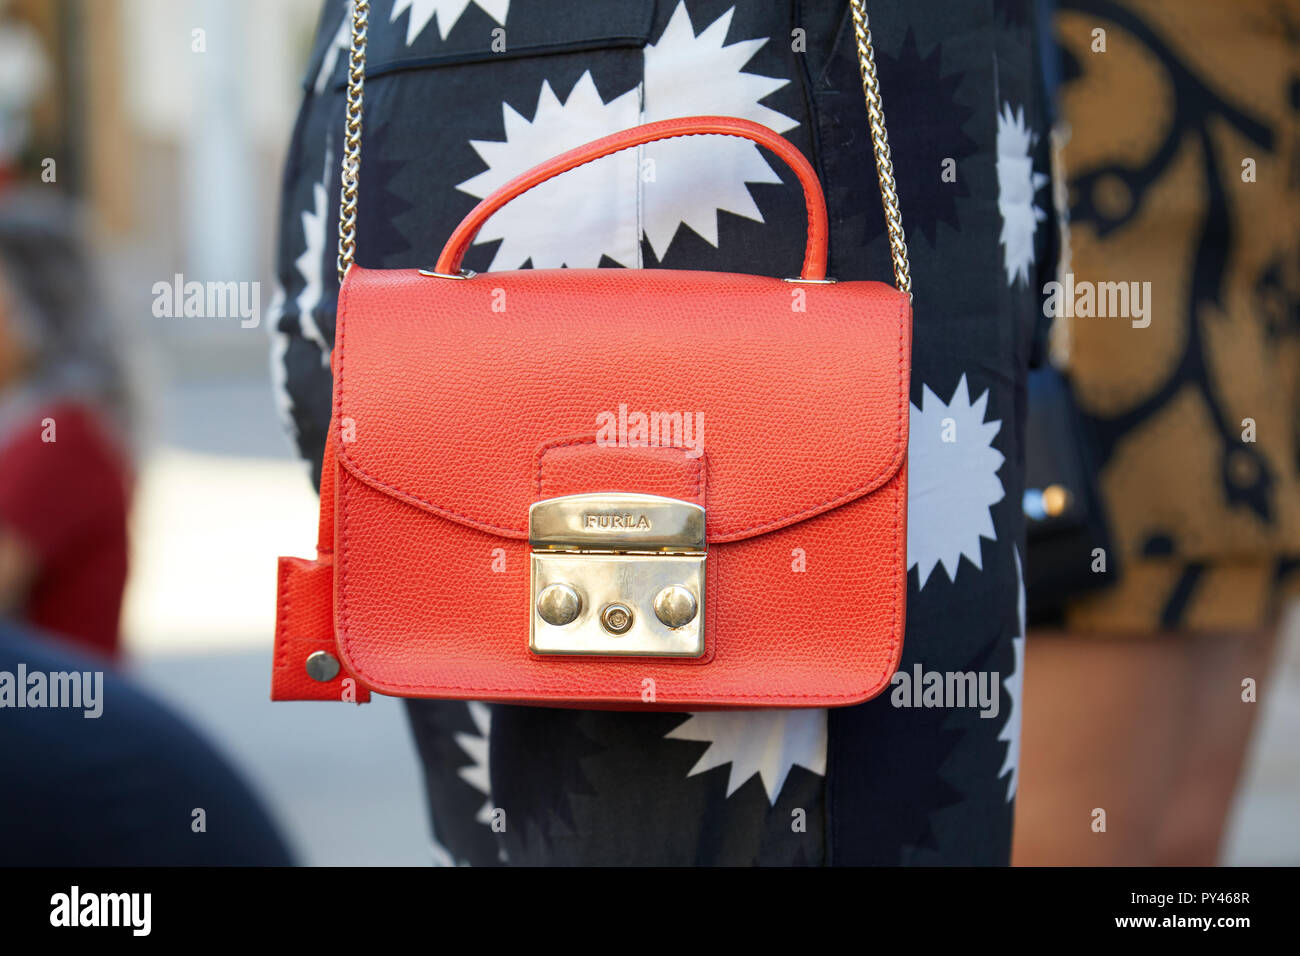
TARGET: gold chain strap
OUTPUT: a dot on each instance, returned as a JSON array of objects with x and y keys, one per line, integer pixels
[
  {"x": 880, "y": 146},
  {"x": 870, "y": 89},
  {"x": 352, "y": 138}
]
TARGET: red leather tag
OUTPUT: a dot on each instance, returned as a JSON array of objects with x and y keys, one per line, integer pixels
[{"x": 304, "y": 625}]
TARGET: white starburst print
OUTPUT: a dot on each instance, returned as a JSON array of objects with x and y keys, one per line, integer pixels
[
  {"x": 1018, "y": 183},
  {"x": 952, "y": 481},
  {"x": 573, "y": 219},
  {"x": 310, "y": 264},
  {"x": 447, "y": 12},
  {"x": 279, "y": 371},
  {"x": 1015, "y": 685},
  {"x": 608, "y": 205},
  {"x": 478, "y": 773},
  {"x": 764, "y": 742},
  {"x": 694, "y": 177},
  {"x": 341, "y": 41},
  {"x": 441, "y": 855}
]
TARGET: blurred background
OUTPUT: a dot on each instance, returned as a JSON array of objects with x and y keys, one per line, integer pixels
[
  {"x": 172, "y": 141},
  {"x": 176, "y": 155}
]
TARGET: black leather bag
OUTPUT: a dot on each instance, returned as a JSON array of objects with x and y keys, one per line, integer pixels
[{"x": 1064, "y": 515}]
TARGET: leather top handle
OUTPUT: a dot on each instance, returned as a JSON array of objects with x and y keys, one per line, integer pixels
[{"x": 814, "y": 261}]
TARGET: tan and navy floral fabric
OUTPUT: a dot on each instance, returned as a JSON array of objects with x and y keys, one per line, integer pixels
[{"x": 1184, "y": 169}]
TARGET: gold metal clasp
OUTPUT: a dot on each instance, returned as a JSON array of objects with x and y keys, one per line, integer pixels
[{"x": 617, "y": 574}]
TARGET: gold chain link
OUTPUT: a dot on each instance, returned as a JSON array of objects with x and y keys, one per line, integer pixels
[
  {"x": 352, "y": 138},
  {"x": 870, "y": 89},
  {"x": 880, "y": 146}
]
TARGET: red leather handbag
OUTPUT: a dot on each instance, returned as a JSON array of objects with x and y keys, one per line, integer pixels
[{"x": 630, "y": 488}]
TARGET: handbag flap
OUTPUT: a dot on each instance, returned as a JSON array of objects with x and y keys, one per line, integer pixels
[{"x": 449, "y": 391}]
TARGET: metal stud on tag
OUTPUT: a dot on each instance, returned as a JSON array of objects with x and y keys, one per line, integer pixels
[{"x": 322, "y": 666}]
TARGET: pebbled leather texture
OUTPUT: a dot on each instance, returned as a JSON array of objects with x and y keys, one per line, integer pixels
[
  {"x": 466, "y": 400},
  {"x": 814, "y": 263},
  {"x": 575, "y": 466},
  {"x": 802, "y": 411}
]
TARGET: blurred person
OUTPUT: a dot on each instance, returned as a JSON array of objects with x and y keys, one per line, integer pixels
[
  {"x": 65, "y": 474},
  {"x": 448, "y": 117},
  {"x": 108, "y": 776},
  {"x": 1184, "y": 163},
  {"x": 115, "y": 778},
  {"x": 97, "y": 772}
]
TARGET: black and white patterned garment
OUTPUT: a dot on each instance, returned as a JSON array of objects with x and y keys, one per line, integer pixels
[{"x": 447, "y": 120}]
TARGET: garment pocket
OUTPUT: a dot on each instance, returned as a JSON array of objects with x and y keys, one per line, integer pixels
[
  {"x": 418, "y": 34},
  {"x": 446, "y": 121}
]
